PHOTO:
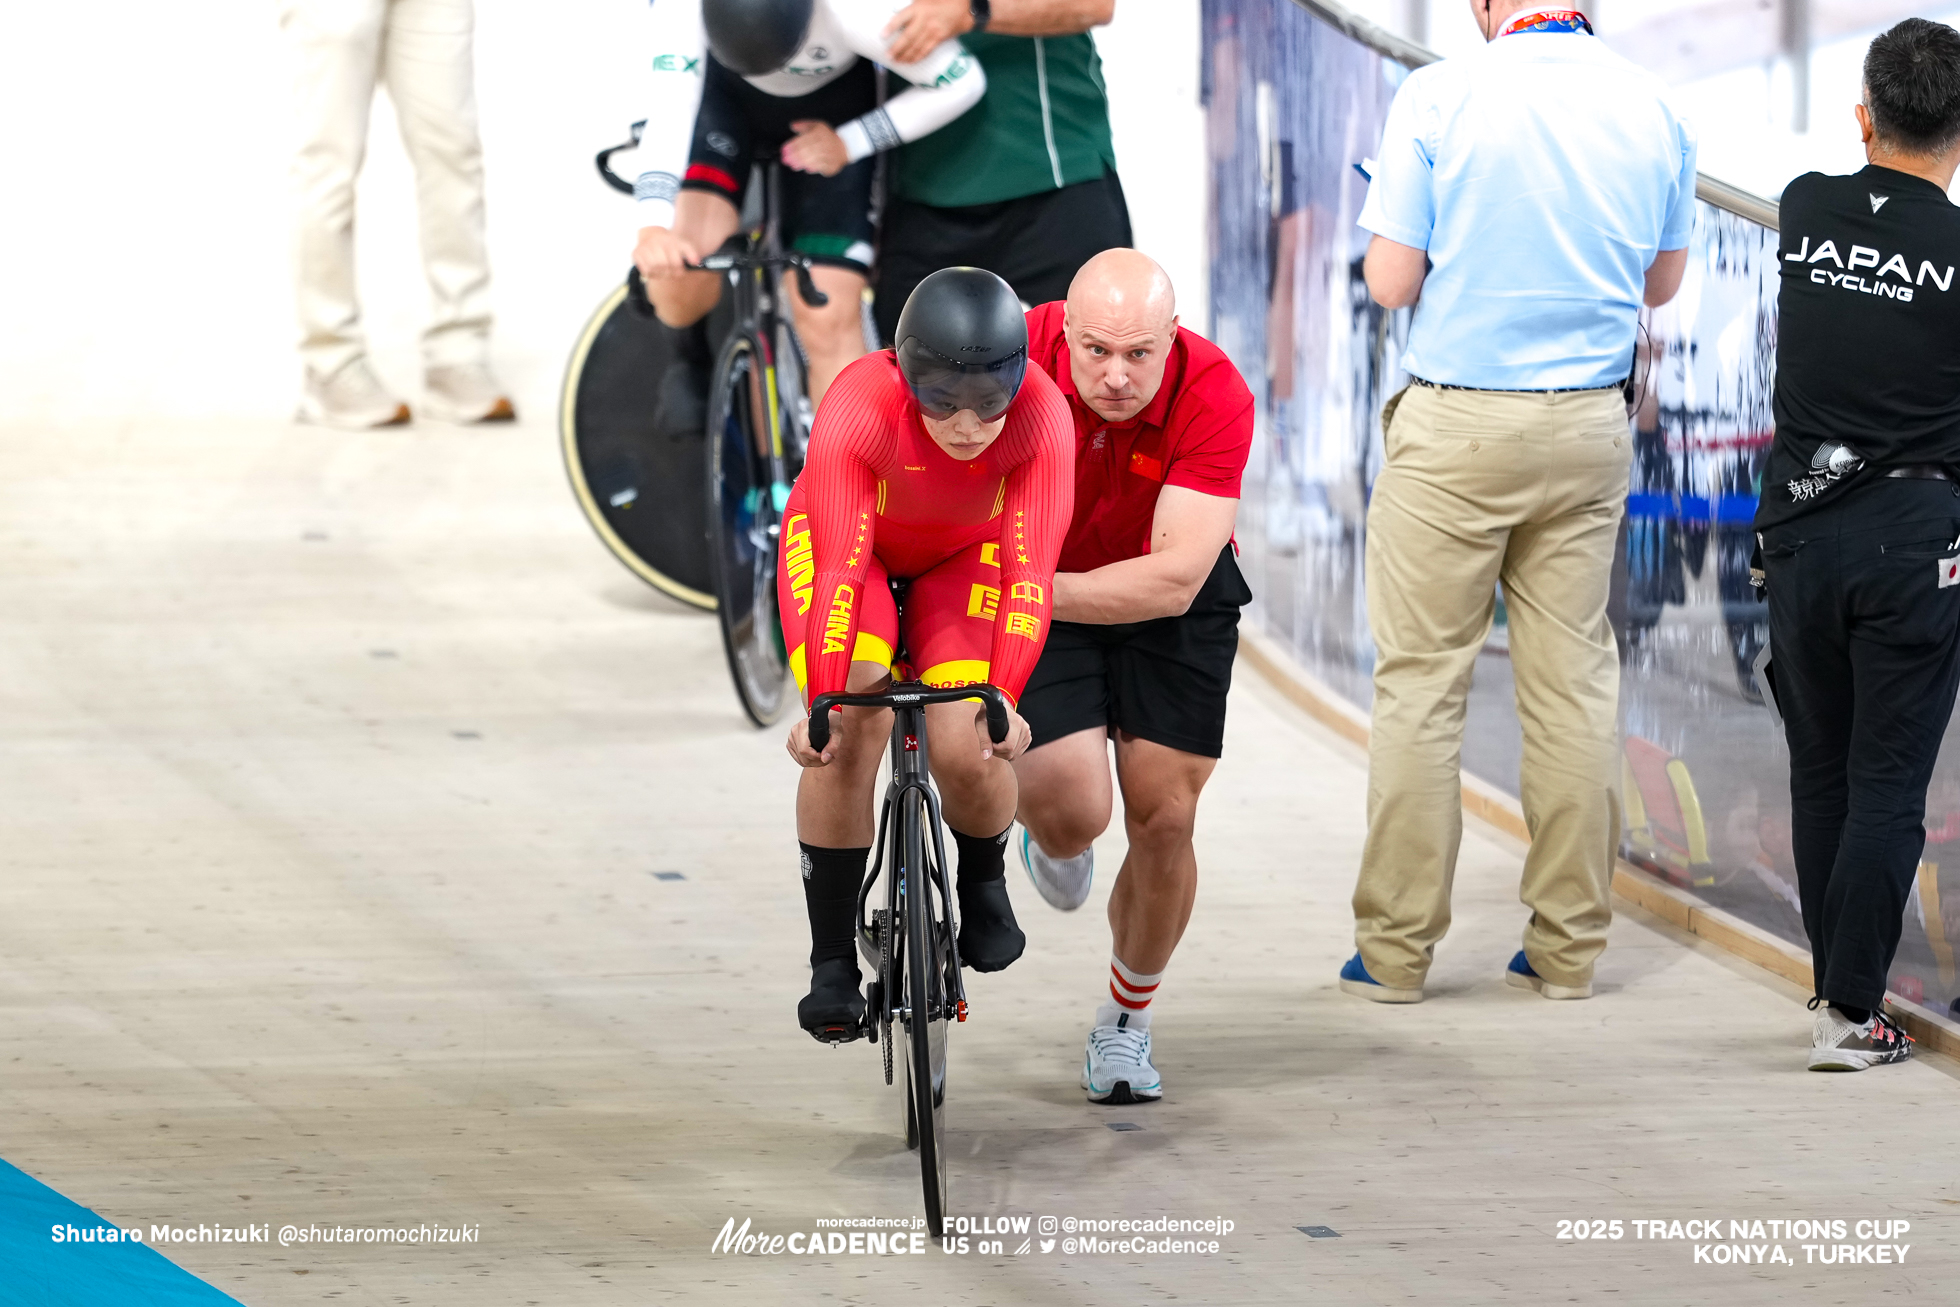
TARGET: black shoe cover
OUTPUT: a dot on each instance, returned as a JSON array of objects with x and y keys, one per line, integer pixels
[
  {"x": 989, "y": 938},
  {"x": 833, "y": 1010}
]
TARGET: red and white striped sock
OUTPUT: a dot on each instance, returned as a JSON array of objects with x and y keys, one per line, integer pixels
[{"x": 1130, "y": 993}]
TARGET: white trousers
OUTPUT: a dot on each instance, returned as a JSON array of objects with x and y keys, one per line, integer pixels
[{"x": 421, "y": 50}]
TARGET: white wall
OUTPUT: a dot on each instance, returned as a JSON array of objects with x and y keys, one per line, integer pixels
[
  {"x": 1150, "y": 60},
  {"x": 145, "y": 227}
]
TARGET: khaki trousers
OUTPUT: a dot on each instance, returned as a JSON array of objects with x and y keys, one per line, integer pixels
[
  {"x": 421, "y": 50},
  {"x": 1482, "y": 488}
]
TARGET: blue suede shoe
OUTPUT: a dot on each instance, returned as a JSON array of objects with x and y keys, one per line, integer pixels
[
  {"x": 1520, "y": 974},
  {"x": 1356, "y": 980}
]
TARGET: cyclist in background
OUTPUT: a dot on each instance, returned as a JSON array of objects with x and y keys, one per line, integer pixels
[
  {"x": 792, "y": 77},
  {"x": 948, "y": 463}
]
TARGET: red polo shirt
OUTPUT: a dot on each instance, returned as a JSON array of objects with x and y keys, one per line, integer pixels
[{"x": 1195, "y": 433}]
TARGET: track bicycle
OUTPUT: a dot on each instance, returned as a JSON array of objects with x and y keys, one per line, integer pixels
[
  {"x": 912, "y": 942},
  {"x": 754, "y": 428},
  {"x": 758, "y": 431}
]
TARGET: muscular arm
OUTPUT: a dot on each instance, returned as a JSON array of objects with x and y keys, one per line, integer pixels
[
  {"x": 925, "y": 23},
  {"x": 1048, "y": 17},
  {"x": 1186, "y": 533}
]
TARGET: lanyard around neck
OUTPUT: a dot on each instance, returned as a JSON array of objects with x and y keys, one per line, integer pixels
[{"x": 1548, "y": 20}]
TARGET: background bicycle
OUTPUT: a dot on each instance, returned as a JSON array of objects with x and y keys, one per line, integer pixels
[{"x": 692, "y": 516}]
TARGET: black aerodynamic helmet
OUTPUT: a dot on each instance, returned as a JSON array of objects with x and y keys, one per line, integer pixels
[
  {"x": 962, "y": 343},
  {"x": 753, "y": 37}
]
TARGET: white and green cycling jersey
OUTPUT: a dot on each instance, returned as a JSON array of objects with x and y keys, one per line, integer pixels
[{"x": 945, "y": 84}]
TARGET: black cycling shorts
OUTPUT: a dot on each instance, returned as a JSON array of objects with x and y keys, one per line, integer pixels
[
  {"x": 827, "y": 218},
  {"x": 1164, "y": 680}
]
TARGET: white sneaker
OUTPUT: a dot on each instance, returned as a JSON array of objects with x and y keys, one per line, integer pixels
[
  {"x": 1063, "y": 882},
  {"x": 1116, "y": 1068},
  {"x": 466, "y": 393},
  {"x": 352, "y": 399}
]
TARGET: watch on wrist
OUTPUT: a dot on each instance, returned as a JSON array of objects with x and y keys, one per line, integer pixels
[{"x": 983, "y": 13}]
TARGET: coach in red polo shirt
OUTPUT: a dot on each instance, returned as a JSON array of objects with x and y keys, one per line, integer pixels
[{"x": 1145, "y": 629}]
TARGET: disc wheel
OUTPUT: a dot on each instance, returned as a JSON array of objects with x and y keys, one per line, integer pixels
[
  {"x": 743, "y": 522},
  {"x": 630, "y": 423},
  {"x": 925, "y": 1065}
]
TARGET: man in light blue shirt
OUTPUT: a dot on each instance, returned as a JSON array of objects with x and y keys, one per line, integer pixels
[
  {"x": 1542, "y": 177},
  {"x": 1528, "y": 199}
]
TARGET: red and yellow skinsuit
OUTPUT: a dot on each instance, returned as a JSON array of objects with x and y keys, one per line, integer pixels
[{"x": 878, "y": 498}]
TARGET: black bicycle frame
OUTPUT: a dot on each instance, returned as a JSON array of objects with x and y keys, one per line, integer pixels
[
  {"x": 758, "y": 303},
  {"x": 910, "y": 772}
]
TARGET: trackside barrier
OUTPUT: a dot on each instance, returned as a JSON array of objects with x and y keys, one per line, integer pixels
[{"x": 1296, "y": 92}]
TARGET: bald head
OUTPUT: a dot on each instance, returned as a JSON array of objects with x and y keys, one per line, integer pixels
[
  {"x": 1120, "y": 323},
  {"x": 1123, "y": 286}
]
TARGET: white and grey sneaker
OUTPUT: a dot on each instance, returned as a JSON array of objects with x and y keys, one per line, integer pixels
[
  {"x": 1116, "y": 1068},
  {"x": 1838, "y": 1045},
  {"x": 1063, "y": 882},
  {"x": 352, "y": 399},
  {"x": 466, "y": 393}
]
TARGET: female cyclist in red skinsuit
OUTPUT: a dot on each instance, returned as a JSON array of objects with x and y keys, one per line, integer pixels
[{"x": 951, "y": 464}]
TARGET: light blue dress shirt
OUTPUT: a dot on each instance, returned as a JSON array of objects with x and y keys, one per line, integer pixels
[{"x": 1542, "y": 173}]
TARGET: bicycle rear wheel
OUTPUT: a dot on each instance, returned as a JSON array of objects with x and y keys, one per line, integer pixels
[
  {"x": 631, "y": 435},
  {"x": 928, "y": 954},
  {"x": 742, "y": 526}
]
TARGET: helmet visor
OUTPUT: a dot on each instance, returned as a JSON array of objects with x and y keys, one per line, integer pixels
[{"x": 943, "y": 387}]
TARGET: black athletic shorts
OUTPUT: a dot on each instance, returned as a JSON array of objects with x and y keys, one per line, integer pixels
[
  {"x": 1164, "y": 680},
  {"x": 827, "y": 218},
  {"x": 1035, "y": 244}
]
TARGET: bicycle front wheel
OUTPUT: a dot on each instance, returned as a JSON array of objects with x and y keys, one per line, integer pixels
[
  {"x": 743, "y": 521},
  {"x": 928, "y": 955}
]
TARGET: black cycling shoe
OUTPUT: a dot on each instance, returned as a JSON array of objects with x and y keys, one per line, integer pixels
[
  {"x": 989, "y": 938},
  {"x": 833, "y": 1010}
]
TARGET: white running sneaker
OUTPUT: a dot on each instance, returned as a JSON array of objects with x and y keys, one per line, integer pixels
[
  {"x": 466, "y": 393},
  {"x": 1063, "y": 882},
  {"x": 352, "y": 399},
  {"x": 1116, "y": 1069}
]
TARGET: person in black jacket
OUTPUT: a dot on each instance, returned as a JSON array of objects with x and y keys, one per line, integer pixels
[{"x": 1859, "y": 526}]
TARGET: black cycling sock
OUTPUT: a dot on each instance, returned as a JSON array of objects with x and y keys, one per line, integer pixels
[
  {"x": 831, "y": 881},
  {"x": 1857, "y": 1016},
  {"x": 990, "y": 938},
  {"x": 982, "y": 857}
]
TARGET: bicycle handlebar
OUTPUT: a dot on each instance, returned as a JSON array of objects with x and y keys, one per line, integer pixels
[
  {"x": 603, "y": 160},
  {"x": 806, "y": 286},
  {"x": 907, "y": 694}
]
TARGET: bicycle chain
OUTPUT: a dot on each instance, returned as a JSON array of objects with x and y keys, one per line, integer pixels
[{"x": 882, "y": 919}]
